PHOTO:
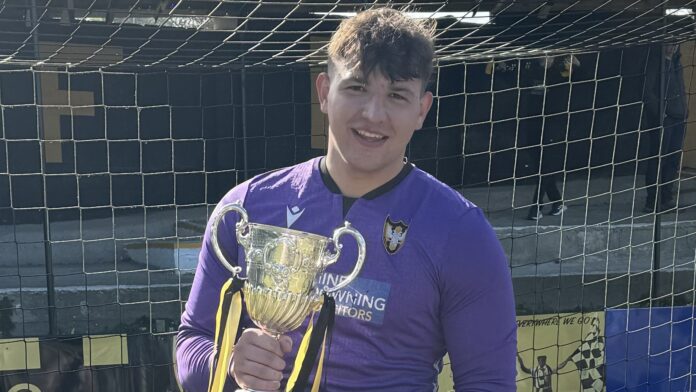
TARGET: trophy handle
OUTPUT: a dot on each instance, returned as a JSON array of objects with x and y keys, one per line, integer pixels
[
  {"x": 241, "y": 228},
  {"x": 346, "y": 229}
]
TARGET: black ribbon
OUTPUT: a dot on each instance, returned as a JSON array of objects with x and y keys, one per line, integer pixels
[
  {"x": 322, "y": 328},
  {"x": 237, "y": 285}
]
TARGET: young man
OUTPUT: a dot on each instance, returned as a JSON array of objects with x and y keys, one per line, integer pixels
[
  {"x": 543, "y": 106},
  {"x": 435, "y": 278}
]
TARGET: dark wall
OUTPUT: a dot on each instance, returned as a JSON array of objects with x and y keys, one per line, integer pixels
[
  {"x": 179, "y": 138},
  {"x": 598, "y": 111},
  {"x": 150, "y": 138}
]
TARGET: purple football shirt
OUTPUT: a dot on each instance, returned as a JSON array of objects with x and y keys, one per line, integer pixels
[{"x": 435, "y": 280}]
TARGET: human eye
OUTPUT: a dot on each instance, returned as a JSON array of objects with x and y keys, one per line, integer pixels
[
  {"x": 355, "y": 87},
  {"x": 398, "y": 97}
]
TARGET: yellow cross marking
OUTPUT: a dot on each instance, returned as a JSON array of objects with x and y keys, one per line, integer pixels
[{"x": 52, "y": 95}]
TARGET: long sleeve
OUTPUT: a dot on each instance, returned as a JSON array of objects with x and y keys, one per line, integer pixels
[
  {"x": 194, "y": 348},
  {"x": 478, "y": 310}
]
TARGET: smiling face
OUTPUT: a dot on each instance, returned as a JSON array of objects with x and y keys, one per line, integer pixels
[{"x": 371, "y": 120}]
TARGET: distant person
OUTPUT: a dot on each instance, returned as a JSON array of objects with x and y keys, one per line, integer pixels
[
  {"x": 543, "y": 112},
  {"x": 543, "y": 123},
  {"x": 669, "y": 118},
  {"x": 554, "y": 92}
]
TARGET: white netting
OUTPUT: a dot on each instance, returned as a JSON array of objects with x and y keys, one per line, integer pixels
[
  {"x": 123, "y": 123},
  {"x": 202, "y": 33}
]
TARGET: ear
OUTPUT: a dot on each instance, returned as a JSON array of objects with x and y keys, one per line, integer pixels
[
  {"x": 426, "y": 101},
  {"x": 322, "y": 85}
]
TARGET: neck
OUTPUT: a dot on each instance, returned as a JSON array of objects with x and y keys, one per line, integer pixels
[{"x": 356, "y": 183}]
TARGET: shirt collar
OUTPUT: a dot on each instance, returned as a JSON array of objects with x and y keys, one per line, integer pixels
[{"x": 380, "y": 190}]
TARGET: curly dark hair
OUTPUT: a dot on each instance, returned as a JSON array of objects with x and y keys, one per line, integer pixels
[{"x": 387, "y": 40}]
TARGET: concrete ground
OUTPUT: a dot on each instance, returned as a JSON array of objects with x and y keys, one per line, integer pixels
[{"x": 601, "y": 252}]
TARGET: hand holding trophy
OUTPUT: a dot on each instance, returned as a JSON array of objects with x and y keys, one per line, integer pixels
[{"x": 282, "y": 268}]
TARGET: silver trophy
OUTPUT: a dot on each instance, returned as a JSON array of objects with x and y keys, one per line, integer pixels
[{"x": 282, "y": 268}]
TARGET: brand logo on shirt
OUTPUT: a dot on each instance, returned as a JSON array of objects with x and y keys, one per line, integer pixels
[
  {"x": 363, "y": 299},
  {"x": 394, "y": 235},
  {"x": 293, "y": 214}
]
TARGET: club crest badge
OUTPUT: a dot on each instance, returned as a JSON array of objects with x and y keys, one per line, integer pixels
[{"x": 394, "y": 235}]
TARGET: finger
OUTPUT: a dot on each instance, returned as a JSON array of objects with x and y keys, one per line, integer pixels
[
  {"x": 263, "y": 357},
  {"x": 258, "y": 370},
  {"x": 249, "y": 381},
  {"x": 263, "y": 341},
  {"x": 285, "y": 343}
]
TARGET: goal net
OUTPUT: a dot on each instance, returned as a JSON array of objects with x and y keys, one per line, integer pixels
[{"x": 123, "y": 122}]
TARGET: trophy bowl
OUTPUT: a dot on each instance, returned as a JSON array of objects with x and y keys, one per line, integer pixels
[{"x": 283, "y": 267}]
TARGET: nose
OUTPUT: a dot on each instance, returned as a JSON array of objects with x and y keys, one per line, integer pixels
[{"x": 375, "y": 110}]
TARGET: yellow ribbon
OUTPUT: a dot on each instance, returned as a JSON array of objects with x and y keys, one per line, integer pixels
[
  {"x": 301, "y": 353},
  {"x": 317, "y": 376},
  {"x": 226, "y": 347}
]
